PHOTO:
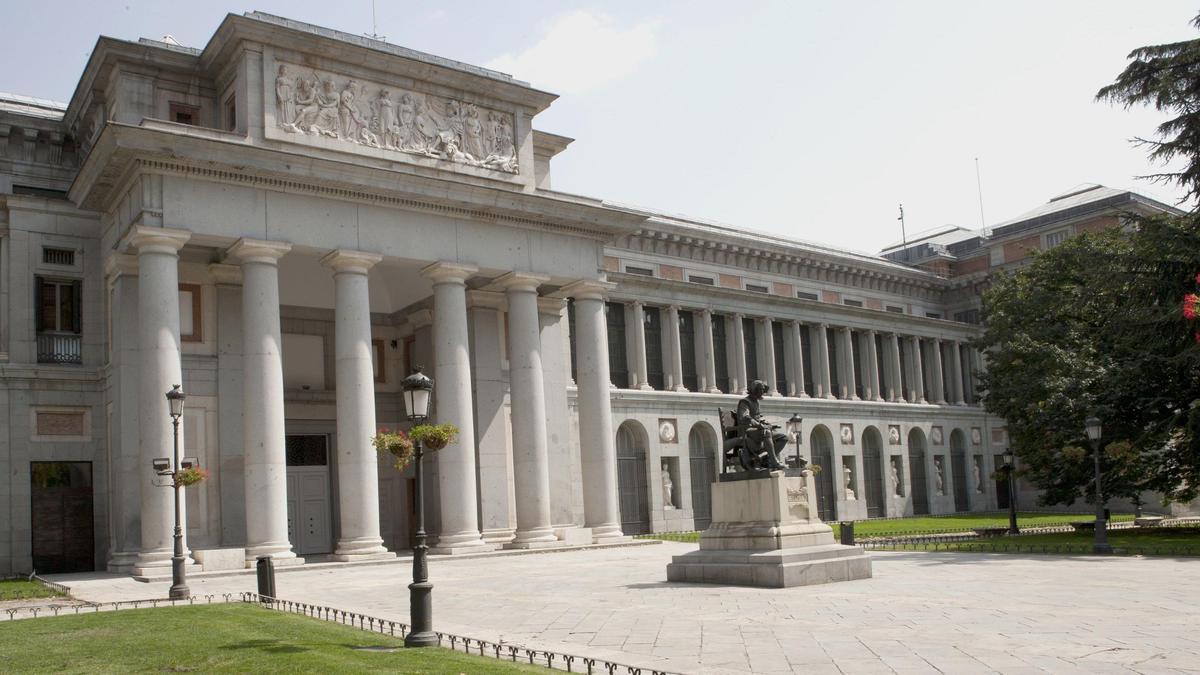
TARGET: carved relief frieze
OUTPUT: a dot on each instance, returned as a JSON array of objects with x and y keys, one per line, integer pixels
[{"x": 318, "y": 103}]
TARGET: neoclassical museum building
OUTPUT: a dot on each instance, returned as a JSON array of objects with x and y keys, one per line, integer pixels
[{"x": 290, "y": 219}]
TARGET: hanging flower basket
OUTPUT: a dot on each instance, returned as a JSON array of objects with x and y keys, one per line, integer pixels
[
  {"x": 190, "y": 476},
  {"x": 814, "y": 468},
  {"x": 394, "y": 443},
  {"x": 434, "y": 436}
]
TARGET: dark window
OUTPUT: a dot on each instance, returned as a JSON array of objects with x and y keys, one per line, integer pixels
[
  {"x": 807, "y": 296},
  {"x": 757, "y": 289},
  {"x": 687, "y": 349},
  {"x": 306, "y": 450},
  {"x": 58, "y": 305},
  {"x": 644, "y": 271},
  {"x": 231, "y": 114},
  {"x": 571, "y": 336},
  {"x": 184, "y": 114},
  {"x": 654, "y": 350},
  {"x": 720, "y": 356},
  {"x": 969, "y": 316},
  {"x": 903, "y": 369},
  {"x": 933, "y": 315},
  {"x": 806, "y": 359},
  {"x": 751, "y": 347},
  {"x": 925, "y": 374},
  {"x": 618, "y": 369},
  {"x": 835, "y": 380},
  {"x": 856, "y": 362},
  {"x": 879, "y": 365},
  {"x": 780, "y": 358},
  {"x": 852, "y": 303},
  {"x": 894, "y": 309},
  {"x": 707, "y": 281},
  {"x": 58, "y": 256}
]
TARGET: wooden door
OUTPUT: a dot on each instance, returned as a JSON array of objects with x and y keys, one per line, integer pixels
[
  {"x": 62, "y": 529},
  {"x": 308, "y": 495}
]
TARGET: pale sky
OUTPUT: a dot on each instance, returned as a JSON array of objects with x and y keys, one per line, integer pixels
[{"x": 807, "y": 119}]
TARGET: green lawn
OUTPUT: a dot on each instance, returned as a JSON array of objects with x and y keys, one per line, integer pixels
[
  {"x": 227, "y": 638},
  {"x": 1137, "y": 541},
  {"x": 20, "y": 589},
  {"x": 963, "y": 522}
]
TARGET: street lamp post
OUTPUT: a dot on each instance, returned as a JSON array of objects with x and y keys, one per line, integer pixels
[
  {"x": 417, "y": 388},
  {"x": 1093, "y": 428},
  {"x": 795, "y": 427},
  {"x": 179, "y": 587},
  {"x": 1009, "y": 467}
]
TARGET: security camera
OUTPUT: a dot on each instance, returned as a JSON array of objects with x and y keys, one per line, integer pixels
[
  {"x": 188, "y": 462},
  {"x": 162, "y": 465}
]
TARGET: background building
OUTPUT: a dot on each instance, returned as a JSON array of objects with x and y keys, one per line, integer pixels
[{"x": 289, "y": 219}]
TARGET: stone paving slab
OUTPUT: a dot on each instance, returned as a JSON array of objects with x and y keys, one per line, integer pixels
[{"x": 921, "y": 613}]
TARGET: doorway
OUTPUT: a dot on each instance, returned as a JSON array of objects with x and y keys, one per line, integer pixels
[
  {"x": 873, "y": 472},
  {"x": 632, "y": 493},
  {"x": 308, "y": 502},
  {"x": 916, "y": 468},
  {"x": 822, "y": 455},
  {"x": 702, "y": 456},
  {"x": 62, "y": 528}
]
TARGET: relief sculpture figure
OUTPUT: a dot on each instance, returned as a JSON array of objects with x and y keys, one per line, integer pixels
[{"x": 322, "y": 104}]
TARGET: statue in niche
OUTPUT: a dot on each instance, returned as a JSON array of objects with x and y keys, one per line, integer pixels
[
  {"x": 937, "y": 476},
  {"x": 667, "y": 486},
  {"x": 285, "y": 97},
  {"x": 849, "y": 476},
  {"x": 977, "y": 475},
  {"x": 896, "y": 491}
]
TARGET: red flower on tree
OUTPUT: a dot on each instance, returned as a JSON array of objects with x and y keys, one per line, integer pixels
[{"x": 1191, "y": 306}]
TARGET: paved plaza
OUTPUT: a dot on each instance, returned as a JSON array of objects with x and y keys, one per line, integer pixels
[{"x": 921, "y": 613}]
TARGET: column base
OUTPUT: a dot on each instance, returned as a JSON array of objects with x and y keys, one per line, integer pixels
[
  {"x": 367, "y": 548},
  {"x": 681, "y": 388},
  {"x": 542, "y": 537},
  {"x": 713, "y": 390},
  {"x": 121, "y": 562},
  {"x": 280, "y": 553},
  {"x": 481, "y": 547},
  {"x": 645, "y": 387},
  {"x": 498, "y": 536},
  {"x": 608, "y": 533},
  {"x": 152, "y": 563},
  {"x": 529, "y": 545}
]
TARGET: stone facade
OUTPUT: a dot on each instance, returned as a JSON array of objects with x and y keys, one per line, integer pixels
[{"x": 204, "y": 217}]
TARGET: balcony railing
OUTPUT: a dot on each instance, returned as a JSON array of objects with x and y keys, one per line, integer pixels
[{"x": 59, "y": 348}]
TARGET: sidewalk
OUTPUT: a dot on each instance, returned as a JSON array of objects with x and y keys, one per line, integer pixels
[{"x": 922, "y": 612}]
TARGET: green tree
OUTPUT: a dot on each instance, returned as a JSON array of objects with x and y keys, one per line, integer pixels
[{"x": 1095, "y": 326}]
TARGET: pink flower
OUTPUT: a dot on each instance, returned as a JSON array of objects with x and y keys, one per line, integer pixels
[{"x": 1191, "y": 305}]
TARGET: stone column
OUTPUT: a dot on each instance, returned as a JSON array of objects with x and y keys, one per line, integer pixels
[
  {"x": 265, "y": 462},
  {"x": 527, "y": 400},
  {"x": 597, "y": 440},
  {"x": 708, "y": 357},
  {"x": 740, "y": 383},
  {"x": 873, "y": 356},
  {"x": 797, "y": 369},
  {"x": 675, "y": 353},
  {"x": 125, "y": 502},
  {"x": 849, "y": 381},
  {"x": 822, "y": 381},
  {"x": 766, "y": 331},
  {"x": 917, "y": 381},
  {"x": 459, "y": 501},
  {"x": 357, "y": 465},
  {"x": 230, "y": 403},
  {"x": 497, "y": 503},
  {"x": 895, "y": 390},
  {"x": 160, "y": 369},
  {"x": 956, "y": 373},
  {"x": 639, "y": 346},
  {"x": 935, "y": 372}
]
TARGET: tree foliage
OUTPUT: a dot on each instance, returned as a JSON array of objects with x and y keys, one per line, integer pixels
[
  {"x": 1094, "y": 326},
  {"x": 1167, "y": 77}
]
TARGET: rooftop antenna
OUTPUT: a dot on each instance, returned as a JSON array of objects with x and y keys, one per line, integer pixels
[
  {"x": 903, "y": 236},
  {"x": 979, "y": 188},
  {"x": 374, "y": 34}
]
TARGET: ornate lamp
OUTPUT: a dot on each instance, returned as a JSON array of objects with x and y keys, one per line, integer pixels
[
  {"x": 795, "y": 427},
  {"x": 416, "y": 388},
  {"x": 175, "y": 399},
  {"x": 1094, "y": 431}
]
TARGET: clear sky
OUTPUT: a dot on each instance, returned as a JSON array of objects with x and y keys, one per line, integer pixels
[{"x": 808, "y": 119}]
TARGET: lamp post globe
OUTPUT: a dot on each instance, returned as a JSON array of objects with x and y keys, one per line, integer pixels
[
  {"x": 1092, "y": 426},
  {"x": 179, "y": 588},
  {"x": 417, "y": 389}
]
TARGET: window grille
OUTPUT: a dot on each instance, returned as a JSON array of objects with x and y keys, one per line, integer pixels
[{"x": 58, "y": 256}]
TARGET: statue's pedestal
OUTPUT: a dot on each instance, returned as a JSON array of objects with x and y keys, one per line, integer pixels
[{"x": 765, "y": 532}]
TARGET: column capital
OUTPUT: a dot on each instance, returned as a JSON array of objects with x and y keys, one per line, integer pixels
[
  {"x": 155, "y": 239},
  {"x": 705, "y": 312},
  {"x": 551, "y": 305},
  {"x": 120, "y": 265},
  {"x": 346, "y": 260},
  {"x": 587, "y": 289},
  {"x": 445, "y": 272},
  {"x": 257, "y": 251},
  {"x": 225, "y": 275},
  {"x": 521, "y": 282}
]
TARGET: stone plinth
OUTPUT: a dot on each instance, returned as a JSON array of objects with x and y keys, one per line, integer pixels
[{"x": 765, "y": 532}]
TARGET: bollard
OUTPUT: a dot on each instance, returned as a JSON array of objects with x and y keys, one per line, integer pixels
[
  {"x": 266, "y": 576},
  {"x": 848, "y": 533}
]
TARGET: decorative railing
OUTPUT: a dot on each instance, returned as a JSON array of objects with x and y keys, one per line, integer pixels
[{"x": 59, "y": 348}]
